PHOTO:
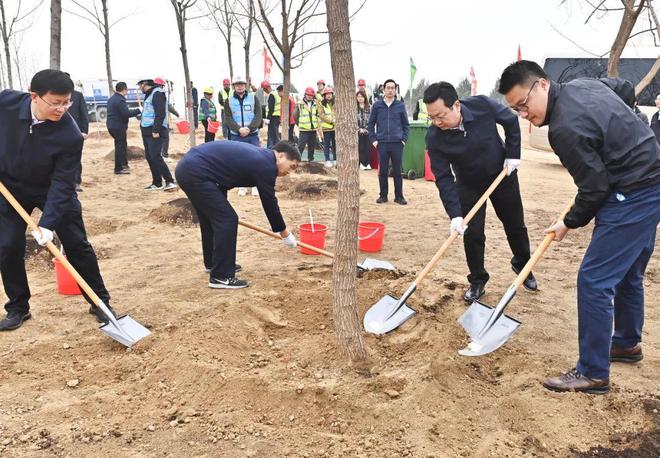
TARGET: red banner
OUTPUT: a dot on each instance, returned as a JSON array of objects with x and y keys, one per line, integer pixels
[{"x": 268, "y": 63}]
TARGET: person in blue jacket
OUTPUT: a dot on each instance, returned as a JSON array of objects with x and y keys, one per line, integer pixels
[
  {"x": 117, "y": 124},
  {"x": 388, "y": 131},
  {"x": 207, "y": 172},
  {"x": 40, "y": 149}
]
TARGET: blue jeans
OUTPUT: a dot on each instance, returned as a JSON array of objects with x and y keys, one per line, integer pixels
[
  {"x": 252, "y": 139},
  {"x": 329, "y": 147},
  {"x": 610, "y": 281},
  {"x": 390, "y": 151}
]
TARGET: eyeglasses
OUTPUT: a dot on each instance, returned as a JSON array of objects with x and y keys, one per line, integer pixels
[
  {"x": 58, "y": 106},
  {"x": 523, "y": 106}
]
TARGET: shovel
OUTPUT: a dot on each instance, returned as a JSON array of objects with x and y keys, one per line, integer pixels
[
  {"x": 488, "y": 327},
  {"x": 389, "y": 312},
  {"x": 367, "y": 264},
  {"x": 124, "y": 330}
]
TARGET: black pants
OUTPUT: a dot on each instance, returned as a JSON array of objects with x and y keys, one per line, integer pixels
[
  {"x": 166, "y": 147},
  {"x": 121, "y": 148},
  {"x": 71, "y": 232},
  {"x": 307, "y": 139},
  {"x": 508, "y": 208},
  {"x": 195, "y": 114},
  {"x": 218, "y": 221},
  {"x": 208, "y": 136},
  {"x": 292, "y": 132},
  {"x": 390, "y": 151},
  {"x": 153, "y": 148},
  {"x": 273, "y": 131},
  {"x": 364, "y": 149}
]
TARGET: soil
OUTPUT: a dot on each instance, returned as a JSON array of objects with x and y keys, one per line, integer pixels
[
  {"x": 133, "y": 153},
  {"x": 257, "y": 372}
]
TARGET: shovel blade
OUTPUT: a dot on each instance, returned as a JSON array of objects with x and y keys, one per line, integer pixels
[
  {"x": 371, "y": 263},
  {"x": 376, "y": 319},
  {"x": 475, "y": 318},
  {"x": 473, "y": 321},
  {"x": 130, "y": 333}
]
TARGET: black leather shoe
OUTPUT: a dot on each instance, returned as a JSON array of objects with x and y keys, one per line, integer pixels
[
  {"x": 14, "y": 320},
  {"x": 381, "y": 200},
  {"x": 401, "y": 201},
  {"x": 99, "y": 315},
  {"x": 530, "y": 283},
  {"x": 475, "y": 291}
]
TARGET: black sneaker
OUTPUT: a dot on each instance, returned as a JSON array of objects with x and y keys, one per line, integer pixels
[
  {"x": 153, "y": 187},
  {"x": 401, "y": 201},
  {"x": 227, "y": 283},
  {"x": 475, "y": 291},
  {"x": 99, "y": 315},
  {"x": 123, "y": 172},
  {"x": 381, "y": 200},
  {"x": 237, "y": 268},
  {"x": 14, "y": 320},
  {"x": 530, "y": 283}
]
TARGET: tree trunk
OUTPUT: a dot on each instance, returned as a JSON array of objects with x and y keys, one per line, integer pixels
[
  {"x": 2, "y": 75},
  {"x": 248, "y": 39},
  {"x": 5, "y": 40},
  {"x": 648, "y": 77},
  {"x": 284, "y": 111},
  {"x": 628, "y": 20},
  {"x": 106, "y": 35},
  {"x": 181, "y": 23},
  {"x": 55, "y": 33},
  {"x": 344, "y": 275},
  {"x": 18, "y": 69},
  {"x": 231, "y": 62}
]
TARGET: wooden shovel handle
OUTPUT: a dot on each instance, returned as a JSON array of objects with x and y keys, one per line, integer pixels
[
  {"x": 278, "y": 236},
  {"x": 440, "y": 253},
  {"x": 50, "y": 245}
]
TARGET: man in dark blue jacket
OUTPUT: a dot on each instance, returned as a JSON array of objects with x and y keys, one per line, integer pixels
[
  {"x": 464, "y": 139},
  {"x": 207, "y": 172},
  {"x": 117, "y": 123},
  {"x": 40, "y": 148},
  {"x": 388, "y": 131},
  {"x": 655, "y": 119},
  {"x": 614, "y": 160}
]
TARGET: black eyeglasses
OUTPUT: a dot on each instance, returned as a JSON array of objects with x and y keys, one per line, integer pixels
[
  {"x": 57, "y": 106},
  {"x": 523, "y": 106}
]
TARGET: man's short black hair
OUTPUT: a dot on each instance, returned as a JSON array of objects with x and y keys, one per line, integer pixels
[
  {"x": 442, "y": 90},
  {"x": 120, "y": 86},
  {"x": 289, "y": 149},
  {"x": 54, "y": 81},
  {"x": 279, "y": 88},
  {"x": 390, "y": 80},
  {"x": 520, "y": 72}
]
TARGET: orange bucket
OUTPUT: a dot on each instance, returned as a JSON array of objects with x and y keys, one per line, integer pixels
[
  {"x": 315, "y": 238},
  {"x": 65, "y": 283},
  {"x": 183, "y": 127},
  {"x": 370, "y": 236},
  {"x": 214, "y": 126}
]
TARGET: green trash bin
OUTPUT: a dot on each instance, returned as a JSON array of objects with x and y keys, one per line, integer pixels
[{"x": 413, "y": 152}]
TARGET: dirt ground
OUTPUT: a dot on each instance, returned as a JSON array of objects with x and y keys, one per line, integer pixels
[{"x": 256, "y": 372}]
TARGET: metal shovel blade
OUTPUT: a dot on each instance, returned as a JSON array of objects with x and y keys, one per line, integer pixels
[
  {"x": 377, "y": 320},
  {"x": 371, "y": 263},
  {"x": 475, "y": 319},
  {"x": 129, "y": 332}
]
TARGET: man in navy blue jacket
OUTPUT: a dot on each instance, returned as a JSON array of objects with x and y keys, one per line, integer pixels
[
  {"x": 207, "y": 172},
  {"x": 117, "y": 123},
  {"x": 614, "y": 159},
  {"x": 388, "y": 131},
  {"x": 40, "y": 148},
  {"x": 464, "y": 139}
]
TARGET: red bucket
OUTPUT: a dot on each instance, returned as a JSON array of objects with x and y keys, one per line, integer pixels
[
  {"x": 183, "y": 127},
  {"x": 370, "y": 236},
  {"x": 428, "y": 173},
  {"x": 315, "y": 238},
  {"x": 65, "y": 283},
  {"x": 214, "y": 126}
]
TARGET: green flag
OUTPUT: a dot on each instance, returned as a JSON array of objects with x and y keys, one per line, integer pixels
[{"x": 413, "y": 71}]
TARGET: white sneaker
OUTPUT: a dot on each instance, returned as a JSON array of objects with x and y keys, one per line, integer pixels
[
  {"x": 362, "y": 167},
  {"x": 368, "y": 167},
  {"x": 242, "y": 192},
  {"x": 328, "y": 164},
  {"x": 255, "y": 191},
  {"x": 334, "y": 163}
]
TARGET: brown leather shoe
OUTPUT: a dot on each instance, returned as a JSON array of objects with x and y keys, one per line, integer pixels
[
  {"x": 574, "y": 381},
  {"x": 626, "y": 355}
]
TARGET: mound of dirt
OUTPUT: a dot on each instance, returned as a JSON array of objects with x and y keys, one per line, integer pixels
[
  {"x": 134, "y": 153},
  {"x": 314, "y": 189},
  {"x": 649, "y": 445},
  {"x": 177, "y": 212},
  {"x": 316, "y": 168}
]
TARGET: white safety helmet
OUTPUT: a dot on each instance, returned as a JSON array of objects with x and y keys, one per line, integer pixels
[{"x": 239, "y": 79}]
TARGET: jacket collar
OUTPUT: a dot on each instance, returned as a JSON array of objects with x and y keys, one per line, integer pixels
[
  {"x": 466, "y": 114},
  {"x": 553, "y": 94},
  {"x": 25, "y": 110}
]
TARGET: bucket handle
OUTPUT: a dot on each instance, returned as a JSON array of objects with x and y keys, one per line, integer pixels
[{"x": 370, "y": 235}]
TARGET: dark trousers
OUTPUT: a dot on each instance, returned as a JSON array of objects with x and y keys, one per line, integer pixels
[
  {"x": 292, "y": 132},
  {"x": 273, "y": 131},
  {"x": 364, "y": 149},
  {"x": 390, "y": 151},
  {"x": 121, "y": 148},
  {"x": 195, "y": 115},
  {"x": 252, "y": 139},
  {"x": 152, "y": 152},
  {"x": 610, "y": 283},
  {"x": 71, "y": 232},
  {"x": 329, "y": 146},
  {"x": 208, "y": 136},
  {"x": 307, "y": 140},
  {"x": 218, "y": 221},
  {"x": 166, "y": 147},
  {"x": 508, "y": 208},
  {"x": 225, "y": 132}
]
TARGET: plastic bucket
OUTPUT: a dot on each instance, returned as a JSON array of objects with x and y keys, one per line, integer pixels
[
  {"x": 65, "y": 283},
  {"x": 214, "y": 126},
  {"x": 183, "y": 127},
  {"x": 370, "y": 236},
  {"x": 315, "y": 238}
]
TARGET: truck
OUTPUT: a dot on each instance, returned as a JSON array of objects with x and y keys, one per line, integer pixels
[{"x": 96, "y": 96}]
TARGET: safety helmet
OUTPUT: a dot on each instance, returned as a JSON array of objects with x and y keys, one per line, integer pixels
[
  {"x": 320, "y": 82},
  {"x": 159, "y": 81},
  {"x": 328, "y": 90},
  {"x": 265, "y": 84},
  {"x": 310, "y": 91},
  {"x": 361, "y": 82},
  {"x": 226, "y": 82},
  {"x": 239, "y": 79},
  {"x": 208, "y": 90}
]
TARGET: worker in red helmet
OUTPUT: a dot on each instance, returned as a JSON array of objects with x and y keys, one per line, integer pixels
[
  {"x": 306, "y": 116},
  {"x": 362, "y": 86},
  {"x": 223, "y": 96},
  {"x": 320, "y": 87},
  {"x": 328, "y": 116},
  {"x": 272, "y": 109}
]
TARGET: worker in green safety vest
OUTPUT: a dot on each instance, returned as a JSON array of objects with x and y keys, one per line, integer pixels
[
  {"x": 306, "y": 116},
  {"x": 207, "y": 112},
  {"x": 421, "y": 113}
]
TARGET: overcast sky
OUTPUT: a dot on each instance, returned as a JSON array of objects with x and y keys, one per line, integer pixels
[{"x": 444, "y": 38}]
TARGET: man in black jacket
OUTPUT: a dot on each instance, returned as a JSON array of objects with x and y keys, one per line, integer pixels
[
  {"x": 78, "y": 112},
  {"x": 463, "y": 138},
  {"x": 655, "y": 121},
  {"x": 40, "y": 148},
  {"x": 117, "y": 123},
  {"x": 614, "y": 160}
]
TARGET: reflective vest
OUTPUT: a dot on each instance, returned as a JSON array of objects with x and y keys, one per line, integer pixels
[
  {"x": 226, "y": 96},
  {"x": 212, "y": 113},
  {"x": 148, "y": 112},
  {"x": 278, "y": 104},
  {"x": 423, "y": 114},
  {"x": 327, "y": 111},
  {"x": 243, "y": 113},
  {"x": 307, "y": 119}
]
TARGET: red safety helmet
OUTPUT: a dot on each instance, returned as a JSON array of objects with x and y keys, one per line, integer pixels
[
  {"x": 226, "y": 82},
  {"x": 361, "y": 82},
  {"x": 320, "y": 82},
  {"x": 328, "y": 90},
  {"x": 159, "y": 81},
  {"x": 310, "y": 91},
  {"x": 265, "y": 84}
]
